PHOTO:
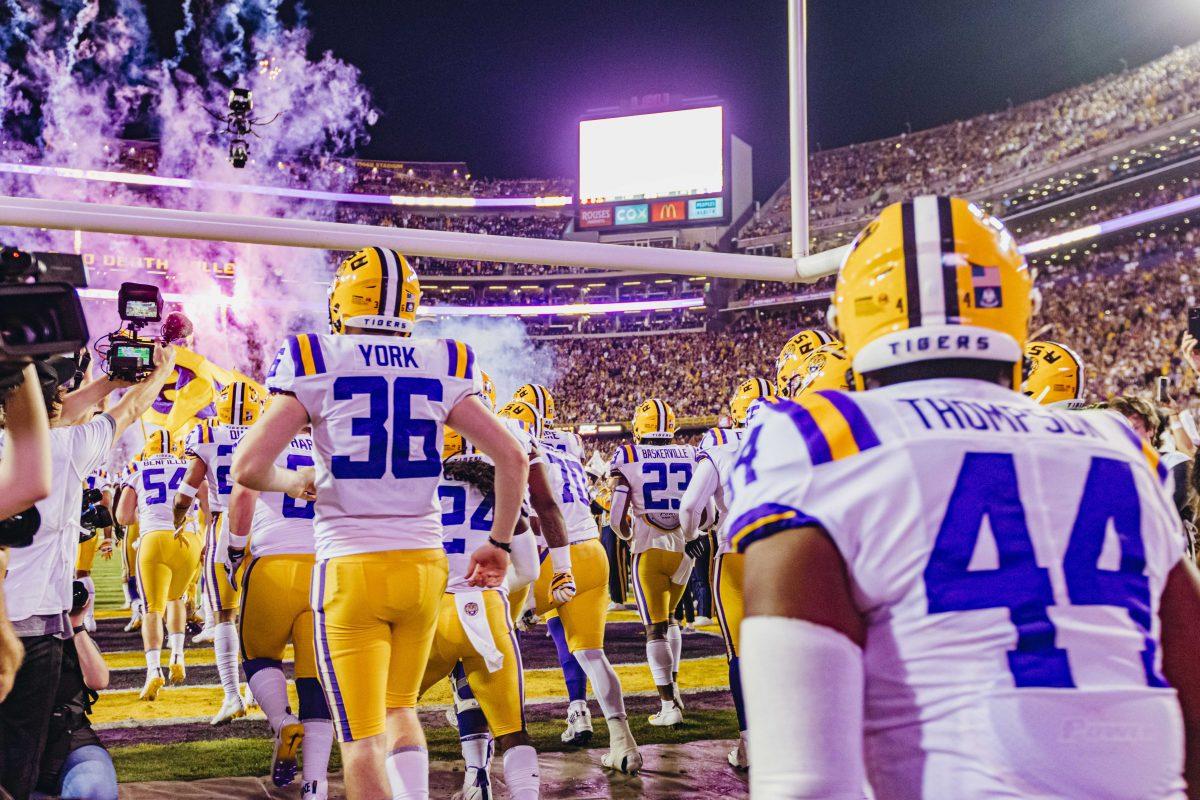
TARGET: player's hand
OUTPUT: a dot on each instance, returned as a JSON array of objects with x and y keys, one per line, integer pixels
[
  {"x": 528, "y": 621},
  {"x": 697, "y": 548},
  {"x": 106, "y": 548},
  {"x": 488, "y": 567},
  {"x": 234, "y": 556},
  {"x": 562, "y": 587},
  {"x": 303, "y": 484},
  {"x": 1187, "y": 348}
]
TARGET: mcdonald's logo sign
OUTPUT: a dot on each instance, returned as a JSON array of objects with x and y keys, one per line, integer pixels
[{"x": 670, "y": 211}]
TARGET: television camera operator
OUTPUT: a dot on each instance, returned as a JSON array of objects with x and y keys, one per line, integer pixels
[{"x": 40, "y": 574}]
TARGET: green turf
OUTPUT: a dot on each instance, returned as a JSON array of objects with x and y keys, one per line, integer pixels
[
  {"x": 107, "y": 577},
  {"x": 236, "y": 757}
]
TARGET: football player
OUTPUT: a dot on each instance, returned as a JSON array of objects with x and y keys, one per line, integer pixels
[
  {"x": 129, "y": 544},
  {"x": 475, "y": 630},
  {"x": 1055, "y": 375},
  {"x": 827, "y": 367},
  {"x": 957, "y": 592},
  {"x": 540, "y": 398},
  {"x": 277, "y": 532},
  {"x": 584, "y": 616},
  {"x": 798, "y": 348},
  {"x": 718, "y": 451},
  {"x": 378, "y": 400},
  {"x": 652, "y": 475},
  {"x": 168, "y": 554},
  {"x": 209, "y": 451}
]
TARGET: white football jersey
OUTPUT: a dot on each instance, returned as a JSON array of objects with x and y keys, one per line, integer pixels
[
  {"x": 1009, "y": 560},
  {"x": 565, "y": 441},
  {"x": 214, "y": 443},
  {"x": 722, "y": 453},
  {"x": 283, "y": 525},
  {"x": 658, "y": 476},
  {"x": 378, "y": 406},
  {"x": 98, "y": 479},
  {"x": 156, "y": 480},
  {"x": 467, "y": 516},
  {"x": 569, "y": 481}
]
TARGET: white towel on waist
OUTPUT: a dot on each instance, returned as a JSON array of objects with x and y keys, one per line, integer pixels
[{"x": 472, "y": 613}]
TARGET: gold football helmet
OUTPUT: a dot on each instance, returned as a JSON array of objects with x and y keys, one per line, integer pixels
[
  {"x": 452, "y": 442},
  {"x": 653, "y": 419},
  {"x": 747, "y": 392},
  {"x": 239, "y": 403},
  {"x": 798, "y": 348},
  {"x": 1055, "y": 374},
  {"x": 377, "y": 289},
  {"x": 827, "y": 367},
  {"x": 539, "y": 397},
  {"x": 933, "y": 278},
  {"x": 524, "y": 413},
  {"x": 159, "y": 443},
  {"x": 489, "y": 390}
]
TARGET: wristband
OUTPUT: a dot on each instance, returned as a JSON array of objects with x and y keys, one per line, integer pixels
[
  {"x": 237, "y": 542},
  {"x": 560, "y": 558},
  {"x": 78, "y": 629},
  {"x": 189, "y": 491},
  {"x": 505, "y": 546}
]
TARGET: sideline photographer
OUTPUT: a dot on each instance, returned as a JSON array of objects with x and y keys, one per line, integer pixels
[
  {"x": 40, "y": 576},
  {"x": 75, "y": 762}
]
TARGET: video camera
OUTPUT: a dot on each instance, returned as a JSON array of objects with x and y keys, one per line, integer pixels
[
  {"x": 38, "y": 318},
  {"x": 129, "y": 356},
  {"x": 94, "y": 516}
]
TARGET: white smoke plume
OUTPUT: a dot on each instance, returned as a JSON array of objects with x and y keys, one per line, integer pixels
[
  {"x": 502, "y": 348},
  {"x": 76, "y": 76}
]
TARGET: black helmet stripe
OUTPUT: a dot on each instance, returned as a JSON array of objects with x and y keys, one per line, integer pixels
[
  {"x": 937, "y": 284},
  {"x": 949, "y": 267},
  {"x": 912, "y": 280}
]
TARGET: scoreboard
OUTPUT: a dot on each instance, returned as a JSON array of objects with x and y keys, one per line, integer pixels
[{"x": 656, "y": 169}]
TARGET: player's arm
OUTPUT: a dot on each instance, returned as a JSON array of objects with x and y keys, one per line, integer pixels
[
  {"x": 471, "y": 418},
  {"x": 1178, "y": 611},
  {"x": 254, "y": 460},
  {"x": 241, "y": 520},
  {"x": 554, "y": 530},
  {"x": 618, "y": 513},
  {"x": 801, "y": 647},
  {"x": 695, "y": 501},
  {"x": 127, "y": 506},
  {"x": 188, "y": 488}
]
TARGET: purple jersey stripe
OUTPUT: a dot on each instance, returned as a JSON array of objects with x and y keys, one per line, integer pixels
[
  {"x": 293, "y": 345},
  {"x": 864, "y": 435},
  {"x": 818, "y": 445},
  {"x": 791, "y": 518},
  {"x": 318, "y": 357},
  {"x": 452, "y": 351},
  {"x": 467, "y": 373},
  {"x": 327, "y": 658}
]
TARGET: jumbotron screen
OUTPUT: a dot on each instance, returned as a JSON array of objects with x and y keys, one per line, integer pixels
[{"x": 661, "y": 169}]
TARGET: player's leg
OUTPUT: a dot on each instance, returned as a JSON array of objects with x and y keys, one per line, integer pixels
[
  {"x": 679, "y": 595},
  {"x": 415, "y": 582},
  {"x": 129, "y": 557},
  {"x": 474, "y": 736},
  {"x": 154, "y": 583},
  {"x": 728, "y": 570},
  {"x": 84, "y": 559},
  {"x": 315, "y": 718},
  {"x": 579, "y": 719},
  {"x": 501, "y": 696},
  {"x": 584, "y": 617},
  {"x": 205, "y": 586},
  {"x": 227, "y": 598},
  {"x": 652, "y": 588},
  {"x": 184, "y": 560}
]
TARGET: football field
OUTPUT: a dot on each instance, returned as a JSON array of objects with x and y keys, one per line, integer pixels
[{"x": 171, "y": 739}]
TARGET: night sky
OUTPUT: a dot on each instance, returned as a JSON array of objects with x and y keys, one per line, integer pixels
[{"x": 500, "y": 84}]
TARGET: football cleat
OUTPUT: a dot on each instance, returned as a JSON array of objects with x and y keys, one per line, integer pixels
[
  {"x": 135, "y": 623},
  {"x": 702, "y": 620},
  {"x": 154, "y": 684},
  {"x": 738, "y": 757},
  {"x": 178, "y": 673},
  {"x": 314, "y": 790},
  {"x": 476, "y": 785},
  {"x": 232, "y": 707},
  {"x": 205, "y": 635},
  {"x": 579, "y": 724},
  {"x": 628, "y": 760},
  {"x": 667, "y": 717},
  {"x": 287, "y": 747}
]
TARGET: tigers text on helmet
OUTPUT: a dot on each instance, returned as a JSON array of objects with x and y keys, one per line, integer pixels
[
  {"x": 653, "y": 419},
  {"x": 798, "y": 348},
  {"x": 747, "y": 392},
  {"x": 539, "y": 397},
  {"x": 375, "y": 289},
  {"x": 933, "y": 278},
  {"x": 239, "y": 404},
  {"x": 524, "y": 413},
  {"x": 827, "y": 367},
  {"x": 1055, "y": 374}
]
